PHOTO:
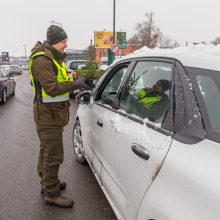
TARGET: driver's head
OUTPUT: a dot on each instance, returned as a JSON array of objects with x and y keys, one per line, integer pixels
[{"x": 162, "y": 85}]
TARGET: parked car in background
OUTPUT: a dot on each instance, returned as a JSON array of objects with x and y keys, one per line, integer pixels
[
  {"x": 85, "y": 69},
  {"x": 13, "y": 69},
  {"x": 74, "y": 65},
  {"x": 7, "y": 85},
  {"x": 6, "y": 67},
  {"x": 161, "y": 164},
  {"x": 25, "y": 67}
]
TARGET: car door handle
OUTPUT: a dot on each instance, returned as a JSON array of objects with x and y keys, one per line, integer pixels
[
  {"x": 140, "y": 151},
  {"x": 100, "y": 123}
]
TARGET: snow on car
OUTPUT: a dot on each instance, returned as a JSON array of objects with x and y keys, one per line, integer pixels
[{"x": 150, "y": 131}]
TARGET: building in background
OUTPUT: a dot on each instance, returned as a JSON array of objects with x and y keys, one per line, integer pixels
[
  {"x": 73, "y": 54},
  {"x": 102, "y": 53}
]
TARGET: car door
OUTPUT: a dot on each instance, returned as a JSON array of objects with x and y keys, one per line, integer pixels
[
  {"x": 100, "y": 109},
  {"x": 94, "y": 113},
  {"x": 140, "y": 140},
  {"x": 8, "y": 82},
  {"x": 1, "y": 84},
  {"x": 4, "y": 81},
  {"x": 190, "y": 176},
  {"x": 91, "y": 116}
]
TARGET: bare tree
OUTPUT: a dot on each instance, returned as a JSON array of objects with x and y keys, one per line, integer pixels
[
  {"x": 165, "y": 42},
  {"x": 148, "y": 33},
  {"x": 216, "y": 41}
]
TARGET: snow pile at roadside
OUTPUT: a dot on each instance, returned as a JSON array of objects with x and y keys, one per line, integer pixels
[
  {"x": 199, "y": 49},
  {"x": 201, "y": 56}
]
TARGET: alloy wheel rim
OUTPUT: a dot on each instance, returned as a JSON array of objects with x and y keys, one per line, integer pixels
[{"x": 77, "y": 142}]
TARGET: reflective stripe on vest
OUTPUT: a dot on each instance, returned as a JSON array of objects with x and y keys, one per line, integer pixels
[
  {"x": 145, "y": 100},
  {"x": 149, "y": 101},
  {"x": 62, "y": 76}
]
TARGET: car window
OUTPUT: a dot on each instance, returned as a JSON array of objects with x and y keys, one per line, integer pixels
[
  {"x": 76, "y": 65},
  {"x": 4, "y": 72},
  {"x": 1, "y": 73},
  {"x": 110, "y": 90},
  {"x": 206, "y": 84},
  {"x": 211, "y": 96},
  {"x": 148, "y": 90}
]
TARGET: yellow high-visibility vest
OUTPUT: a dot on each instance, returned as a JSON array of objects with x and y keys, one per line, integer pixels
[
  {"x": 62, "y": 76},
  {"x": 145, "y": 100}
]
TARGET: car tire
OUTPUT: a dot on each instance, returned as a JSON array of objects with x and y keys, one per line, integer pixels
[
  {"x": 77, "y": 143},
  {"x": 13, "y": 92},
  {"x": 4, "y": 97}
]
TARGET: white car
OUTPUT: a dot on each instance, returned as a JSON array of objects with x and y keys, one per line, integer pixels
[{"x": 160, "y": 164}]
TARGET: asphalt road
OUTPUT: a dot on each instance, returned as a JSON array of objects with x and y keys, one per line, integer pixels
[{"x": 20, "y": 196}]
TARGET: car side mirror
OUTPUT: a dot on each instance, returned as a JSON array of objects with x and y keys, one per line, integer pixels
[{"x": 83, "y": 98}]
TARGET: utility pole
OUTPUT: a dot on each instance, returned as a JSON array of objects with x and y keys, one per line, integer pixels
[
  {"x": 90, "y": 51},
  {"x": 113, "y": 21},
  {"x": 111, "y": 55},
  {"x": 25, "y": 47}
]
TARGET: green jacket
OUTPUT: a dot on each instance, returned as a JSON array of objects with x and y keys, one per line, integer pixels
[{"x": 45, "y": 71}]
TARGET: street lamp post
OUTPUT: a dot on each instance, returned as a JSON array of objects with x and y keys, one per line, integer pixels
[
  {"x": 111, "y": 55},
  {"x": 113, "y": 21},
  {"x": 25, "y": 47}
]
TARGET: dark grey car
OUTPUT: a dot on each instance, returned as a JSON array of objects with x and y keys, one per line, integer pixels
[{"x": 7, "y": 85}]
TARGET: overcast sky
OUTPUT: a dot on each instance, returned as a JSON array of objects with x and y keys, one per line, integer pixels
[{"x": 23, "y": 22}]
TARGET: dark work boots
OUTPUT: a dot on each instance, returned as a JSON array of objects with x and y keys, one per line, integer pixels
[{"x": 59, "y": 201}]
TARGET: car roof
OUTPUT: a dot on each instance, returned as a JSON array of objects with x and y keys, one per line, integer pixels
[{"x": 199, "y": 56}]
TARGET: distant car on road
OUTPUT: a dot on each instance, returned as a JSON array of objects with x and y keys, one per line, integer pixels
[
  {"x": 7, "y": 85},
  {"x": 156, "y": 157}
]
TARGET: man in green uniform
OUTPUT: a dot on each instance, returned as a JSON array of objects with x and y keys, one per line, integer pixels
[{"x": 52, "y": 85}]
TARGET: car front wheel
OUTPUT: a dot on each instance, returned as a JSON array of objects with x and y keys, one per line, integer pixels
[
  {"x": 13, "y": 92},
  {"x": 77, "y": 143},
  {"x": 4, "y": 97}
]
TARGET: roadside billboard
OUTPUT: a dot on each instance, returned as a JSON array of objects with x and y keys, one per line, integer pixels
[{"x": 104, "y": 39}]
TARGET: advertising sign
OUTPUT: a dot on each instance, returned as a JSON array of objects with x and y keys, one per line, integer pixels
[
  {"x": 103, "y": 39},
  {"x": 121, "y": 40},
  {"x": 5, "y": 56}
]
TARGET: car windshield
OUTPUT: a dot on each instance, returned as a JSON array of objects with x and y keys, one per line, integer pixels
[
  {"x": 76, "y": 65},
  {"x": 207, "y": 88}
]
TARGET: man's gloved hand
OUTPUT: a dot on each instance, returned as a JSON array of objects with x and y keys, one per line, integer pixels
[{"x": 81, "y": 84}]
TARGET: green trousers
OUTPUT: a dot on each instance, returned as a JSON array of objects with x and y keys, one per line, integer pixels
[
  {"x": 50, "y": 120},
  {"x": 50, "y": 158}
]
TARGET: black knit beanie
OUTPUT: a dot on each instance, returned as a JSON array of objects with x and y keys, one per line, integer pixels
[
  {"x": 165, "y": 84},
  {"x": 55, "y": 34}
]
